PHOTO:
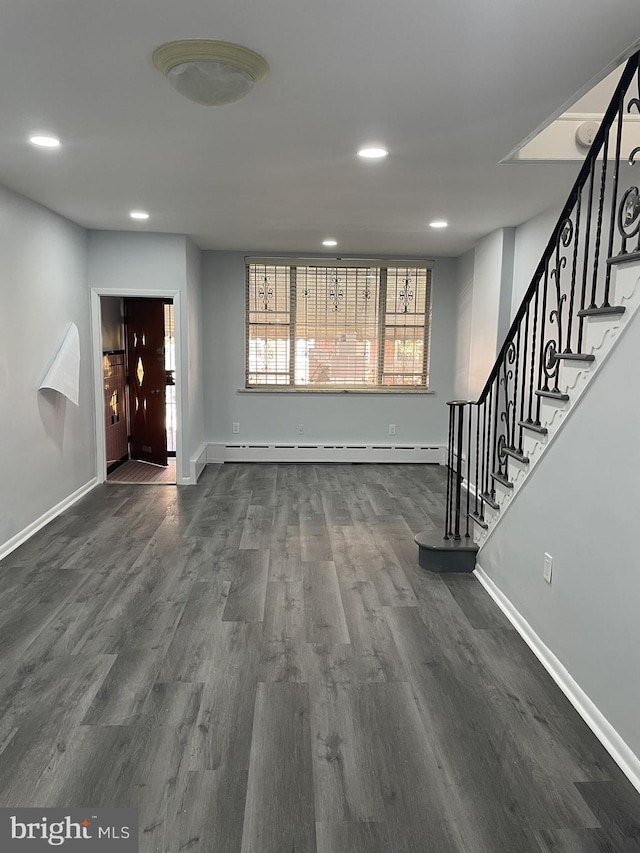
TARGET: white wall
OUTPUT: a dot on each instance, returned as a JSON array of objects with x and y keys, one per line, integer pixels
[
  {"x": 464, "y": 311},
  {"x": 530, "y": 242},
  {"x": 492, "y": 278},
  {"x": 140, "y": 261},
  {"x": 48, "y": 449},
  {"x": 579, "y": 504},
  {"x": 354, "y": 418}
]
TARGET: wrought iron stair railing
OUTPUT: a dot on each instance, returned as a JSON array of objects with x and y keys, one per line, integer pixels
[{"x": 596, "y": 228}]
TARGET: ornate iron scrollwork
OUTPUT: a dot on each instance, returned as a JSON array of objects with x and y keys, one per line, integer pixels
[
  {"x": 628, "y": 219},
  {"x": 335, "y": 294},
  {"x": 550, "y": 364},
  {"x": 505, "y": 439},
  {"x": 266, "y": 294},
  {"x": 629, "y": 214},
  {"x": 406, "y": 295}
]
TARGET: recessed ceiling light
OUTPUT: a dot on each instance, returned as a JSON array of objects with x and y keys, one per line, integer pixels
[
  {"x": 439, "y": 223},
  {"x": 372, "y": 153},
  {"x": 329, "y": 242},
  {"x": 45, "y": 141},
  {"x": 139, "y": 214}
]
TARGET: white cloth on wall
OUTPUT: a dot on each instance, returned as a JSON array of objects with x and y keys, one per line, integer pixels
[{"x": 63, "y": 374}]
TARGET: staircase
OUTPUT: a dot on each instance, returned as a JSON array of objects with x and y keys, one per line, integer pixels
[{"x": 583, "y": 294}]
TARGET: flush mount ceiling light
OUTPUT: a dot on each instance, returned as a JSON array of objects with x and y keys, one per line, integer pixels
[
  {"x": 329, "y": 242},
  {"x": 210, "y": 72},
  {"x": 438, "y": 223},
  {"x": 372, "y": 153},
  {"x": 139, "y": 214},
  {"x": 45, "y": 141}
]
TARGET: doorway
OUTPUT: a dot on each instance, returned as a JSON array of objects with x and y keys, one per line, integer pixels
[{"x": 138, "y": 427}]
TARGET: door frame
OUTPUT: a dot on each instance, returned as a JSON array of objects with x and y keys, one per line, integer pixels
[{"x": 96, "y": 346}]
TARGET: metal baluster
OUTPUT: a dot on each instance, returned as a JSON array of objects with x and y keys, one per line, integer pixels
[
  {"x": 447, "y": 520},
  {"x": 456, "y": 534},
  {"x": 533, "y": 353},
  {"x": 614, "y": 201},
  {"x": 467, "y": 409},
  {"x": 494, "y": 449},
  {"x": 524, "y": 356},
  {"x": 484, "y": 456},
  {"x": 585, "y": 264},
  {"x": 542, "y": 328},
  {"x": 516, "y": 371},
  {"x": 596, "y": 258},
  {"x": 573, "y": 279},
  {"x": 477, "y": 411}
]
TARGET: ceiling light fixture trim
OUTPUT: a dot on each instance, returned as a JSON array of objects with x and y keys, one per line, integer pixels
[{"x": 210, "y": 72}]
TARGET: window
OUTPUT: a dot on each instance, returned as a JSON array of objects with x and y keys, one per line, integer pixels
[{"x": 353, "y": 325}]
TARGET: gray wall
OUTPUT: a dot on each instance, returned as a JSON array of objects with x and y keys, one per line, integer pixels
[
  {"x": 129, "y": 261},
  {"x": 579, "y": 504},
  {"x": 48, "y": 446},
  {"x": 335, "y": 417}
]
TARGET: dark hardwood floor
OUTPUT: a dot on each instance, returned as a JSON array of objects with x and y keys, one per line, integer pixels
[{"x": 259, "y": 665}]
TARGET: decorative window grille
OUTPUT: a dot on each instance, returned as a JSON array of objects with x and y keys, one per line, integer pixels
[{"x": 337, "y": 325}]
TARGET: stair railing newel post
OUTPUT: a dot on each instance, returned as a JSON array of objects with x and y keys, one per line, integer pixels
[
  {"x": 476, "y": 408},
  {"x": 447, "y": 520},
  {"x": 459, "y": 446},
  {"x": 468, "y": 411}
]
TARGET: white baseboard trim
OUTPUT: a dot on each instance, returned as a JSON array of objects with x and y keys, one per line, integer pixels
[
  {"x": 621, "y": 753},
  {"x": 266, "y": 452},
  {"x": 197, "y": 463},
  {"x": 45, "y": 518}
]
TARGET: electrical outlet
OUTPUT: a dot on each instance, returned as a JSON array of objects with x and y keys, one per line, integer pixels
[
  {"x": 548, "y": 564},
  {"x": 392, "y": 429},
  {"x": 300, "y": 429},
  {"x": 235, "y": 428}
]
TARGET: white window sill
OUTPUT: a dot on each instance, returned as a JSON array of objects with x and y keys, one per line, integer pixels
[{"x": 273, "y": 389}]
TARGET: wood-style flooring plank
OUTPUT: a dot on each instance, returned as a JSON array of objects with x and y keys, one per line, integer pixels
[
  {"x": 279, "y": 813},
  {"x": 324, "y": 615},
  {"x": 247, "y": 594}
]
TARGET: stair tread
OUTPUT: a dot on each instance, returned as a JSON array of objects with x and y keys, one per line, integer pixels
[
  {"x": 478, "y": 520},
  {"x": 553, "y": 395},
  {"x": 609, "y": 310},
  {"x": 575, "y": 356},
  {"x": 515, "y": 454},
  {"x": 535, "y": 427},
  {"x": 486, "y": 497},
  {"x": 496, "y": 475}
]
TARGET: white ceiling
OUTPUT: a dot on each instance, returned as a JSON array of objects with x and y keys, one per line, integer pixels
[{"x": 449, "y": 86}]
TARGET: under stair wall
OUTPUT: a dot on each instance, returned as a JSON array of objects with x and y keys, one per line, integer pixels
[{"x": 579, "y": 504}]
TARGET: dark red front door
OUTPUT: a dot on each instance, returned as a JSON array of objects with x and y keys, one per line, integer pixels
[{"x": 147, "y": 379}]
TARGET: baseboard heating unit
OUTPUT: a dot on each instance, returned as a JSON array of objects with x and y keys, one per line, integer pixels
[{"x": 265, "y": 452}]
